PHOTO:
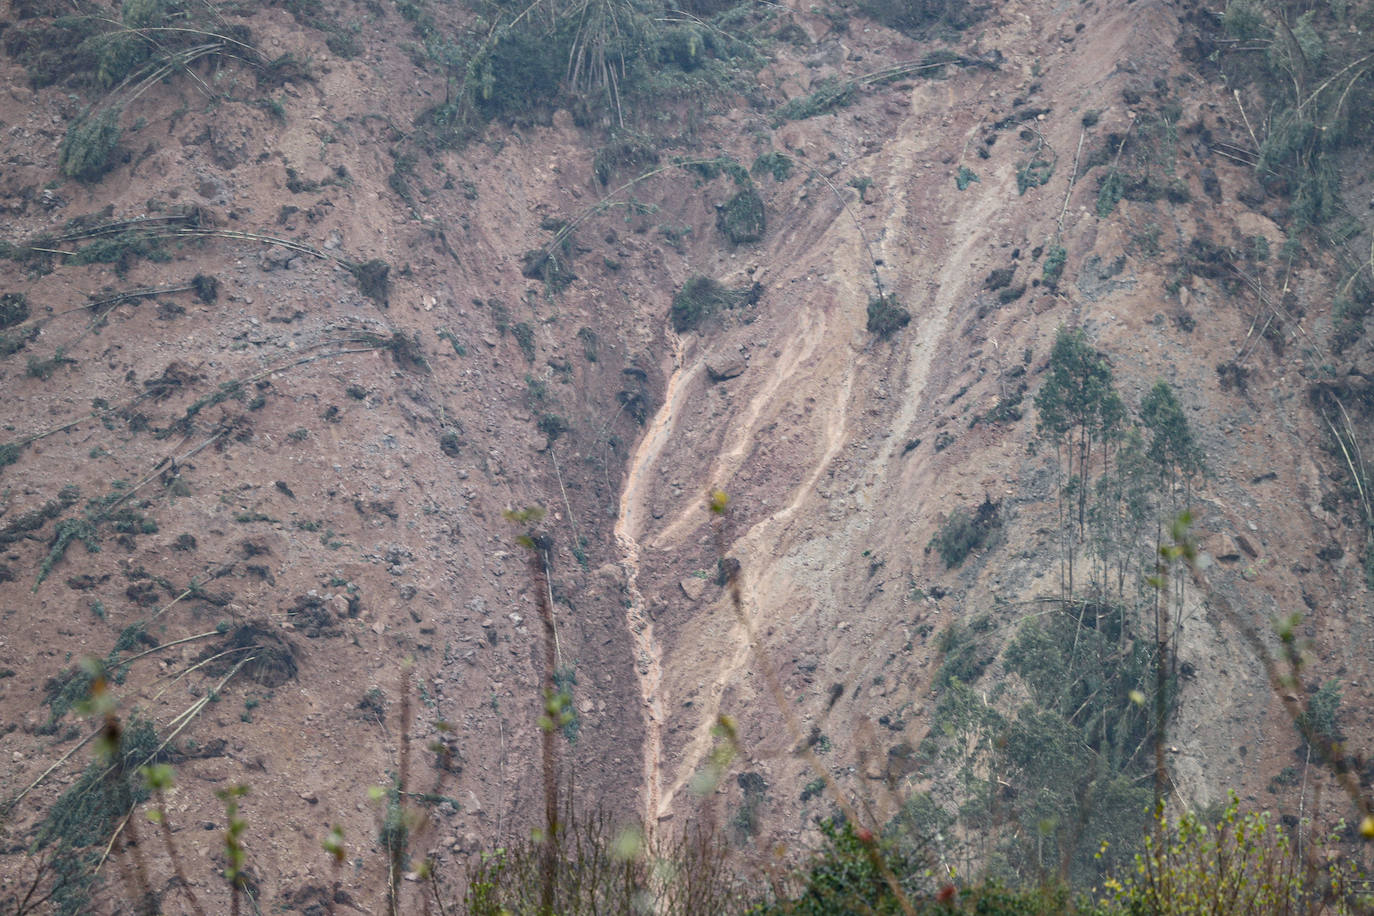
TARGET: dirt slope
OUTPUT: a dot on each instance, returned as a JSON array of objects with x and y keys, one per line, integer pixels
[{"x": 337, "y": 509}]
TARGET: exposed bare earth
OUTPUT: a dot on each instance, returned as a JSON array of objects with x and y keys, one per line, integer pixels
[{"x": 365, "y": 475}]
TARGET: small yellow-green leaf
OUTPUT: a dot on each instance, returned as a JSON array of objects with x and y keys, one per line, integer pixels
[{"x": 718, "y": 501}]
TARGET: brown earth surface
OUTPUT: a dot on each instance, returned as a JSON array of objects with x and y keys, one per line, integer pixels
[{"x": 346, "y": 500}]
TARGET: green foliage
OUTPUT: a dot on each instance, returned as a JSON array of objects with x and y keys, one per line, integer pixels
[
  {"x": 1321, "y": 718},
  {"x": 374, "y": 280},
  {"x": 1242, "y": 863},
  {"x": 847, "y": 878},
  {"x": 121, "y": 249},
  {"x": 87, "y": 151},
  {"x": 886, "y": 315},
  {"x": 1080, "y": 748},
  {"x": 1109, "y": 193},
  {"x": 1033, "y": 173},
  {"x": 1171, "y": 446},
  {"x": 966, "y": 652},
  {"x": 830, "y": 94},
  {"x": 44, "y": 368},
  {"x": 965, "y": 177},
  {"x": 741, "y": 218},
  {"x": 1078, "y": 393},
  {"x": 702, "y": 297},
  {"x": 14, "y": 308},
  {"x": 603, "y": 59},
  {"x": 921, "y": 18},
  {"x": 552, "y": 425},
  {"x": 964, "y": 532},
  {"x": 1055, "y": 259},
  {"x": 67, "y": 531},
  {"x": 625, "y": 151},
  {"x": 12, "y": 343},
  {"x": 81, "y": 821},
  {"x": 1312, "y": 71},
  {"x": 779, "y": 165},
  {"x": 524, "y": 336},
  {"x": 552, "y": 265}
]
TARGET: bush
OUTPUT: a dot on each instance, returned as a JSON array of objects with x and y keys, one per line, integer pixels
[
  {"x": 14, "y": 308},
  {"x": 1033, "y": 174},
  {"x": 919, "y": 18},
  {"x": 699, "y": 299},
  {"x": 1240, "y": 864},
  {"x": 964, "y": 532},
  {"x": 626, "y": 150},
  {"x": 779, "y": 165},
  {"x": 885, "y": 316},
  {"x": 1054, "y": 265},
  {"x": 88, "y": 149},
  {"x": 374, "y": 280},
  {"x": 828, "y": 95},
  {"x": 741, "y": 217},
  {"x": 85, "y": 815}
]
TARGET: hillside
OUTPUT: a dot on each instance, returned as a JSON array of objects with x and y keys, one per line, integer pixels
[{"x": 301, "y": 299}]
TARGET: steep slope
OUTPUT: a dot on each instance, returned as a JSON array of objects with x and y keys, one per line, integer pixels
[{"x": 285, "y": 423}]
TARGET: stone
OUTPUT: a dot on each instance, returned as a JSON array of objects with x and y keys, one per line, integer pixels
[
  {"x": 693, "y": 587},
  {"x": 726, "y": 367}
]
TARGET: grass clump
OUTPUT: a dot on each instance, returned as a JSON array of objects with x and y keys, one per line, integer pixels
[
  {"x": 702, "y": 297},
  {"x": 886, "y": 316},
  {"x": 923, "y": 18},
  {"x": 742, "y": 218},
  {"x": 374, "y": 280},
  {"x": 88, "y": 149},
  {"x": 1034, "y": 173},
  {"x": 1053, "y": 268},
  {"x": 829, "y": 95},
  {"x": 82, "y": 820},
  {"x": 779, "y": 165},
  {"x": 14, "y": 308},
  {"x": 964, "y": 532},
  {"x": 625, "y": 151}
]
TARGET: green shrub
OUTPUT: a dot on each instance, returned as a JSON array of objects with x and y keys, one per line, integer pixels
[
  {"x": 1109, "y": 193},
  {"x": 11, "y": 344},
  {"x": 1242, "y": 863},
  {"x": 626, "y": 150},
  {"x": 742, "y": 217},
  {"x": 524, "y": 336},
  {"x": 886, "y": 316},
  {"x": 779, "y": 165},
  {"x": 965, "y": 178},
  {"x": 966, "y": 652},
  {"x": 87, "y": 151},
  {"x": 919, "y": 18},
  {"x": 964, "y": 532},
  {"x": 82, "y": 820},
  {"x": 14, "y": 308},
  {"x": 1321, "y": 718},
  {"x": 829, "y": 94},
  {"x": 1033, "y": 174},
  {"x": 374, "y": 280},
  {"x": 699, "y": 299},
  {"x": 1055, "y": 259}
]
